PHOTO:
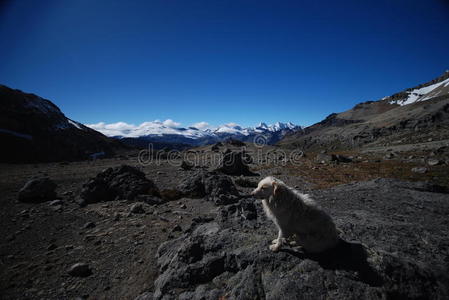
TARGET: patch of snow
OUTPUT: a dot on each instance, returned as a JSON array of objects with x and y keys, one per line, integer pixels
[
  {"x": 75, "y": 124},
  {"x": 422, "y": 94}
]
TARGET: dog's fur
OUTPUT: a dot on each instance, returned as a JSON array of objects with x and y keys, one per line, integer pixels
[{"x": 297, "y": 216}]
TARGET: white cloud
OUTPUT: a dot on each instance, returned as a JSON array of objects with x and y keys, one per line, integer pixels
[
  {"x": 155, "y": 127},
  {"x": 232, "y": 124},
  {"x": 171, "y": 123},
  {"x": 202, "y": 125},
  {"x": 120, "y": 126},
  {"x": 114, "y": 129}
]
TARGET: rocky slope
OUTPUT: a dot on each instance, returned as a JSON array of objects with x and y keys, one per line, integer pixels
[
  {"x": 383, "y": 254},
  {"x": 411, "y": 116},
  {"x": 34, "y": 129}
]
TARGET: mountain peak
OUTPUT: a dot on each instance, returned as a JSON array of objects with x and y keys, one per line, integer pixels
[{"x": 193, "y": 135}]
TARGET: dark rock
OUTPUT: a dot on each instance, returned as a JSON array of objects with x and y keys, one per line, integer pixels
[
  {"x": 79, "y": 270},
  {"x": 218, "y": 188},
  {"x": 57, "y": 208},
  {"x": 324, "y": 158},
  {"x": 55, "y": 202},
  {"x": 216, "y": 146},
  {"x": 37, "y": 190},
  {"x": 81, "y": 202},
  {"x": 341, "y": 158},
  {"x": 243, "y": 211},
  {"x": 137, "y": 208},
  {"x": 89, "y": 225},
  {"x": 247, "y": 159},
  {"x": 176, "y": 228},
  {"x": 220, "y": 184},
  {"x": 244, "y": 182},
  {"x": 193, "y": 186},
  {"x": 116, "y": 217},
  {"x": 221, "y": 189},
  {"x": 443, "y": 149},
  {"x": 433, "y": 162},
  {"x": 186, "y": 166},
  {"x": 51, "y": 247},
  {"x": 420, "y": 170},
  {"x": 123, "y": 182},
  {"x": 151, "y": 200},
  {"x": 390, "y": 155},
  {"x": 232, "y": 163}
]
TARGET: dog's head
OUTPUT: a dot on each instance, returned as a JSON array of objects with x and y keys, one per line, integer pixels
[{"x": 266, "y": 188}]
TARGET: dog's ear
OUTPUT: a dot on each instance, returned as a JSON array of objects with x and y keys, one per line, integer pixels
[{"x": 276, "y": 188}]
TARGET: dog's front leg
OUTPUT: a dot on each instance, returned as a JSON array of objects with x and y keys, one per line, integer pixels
[{"x": 278, "y": 242}]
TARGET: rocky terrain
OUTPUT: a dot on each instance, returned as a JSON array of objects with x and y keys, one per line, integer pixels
[
  {"x": 33, "y": 129},
  {"x": 415, "y": 115},
  {"x": 121, "y": 228},
  {"x": 383, "y": 253}
]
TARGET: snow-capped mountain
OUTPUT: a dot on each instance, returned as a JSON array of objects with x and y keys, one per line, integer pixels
[
  {"x": 271, "y": 133},
  {"x": 169, "y": 132}
]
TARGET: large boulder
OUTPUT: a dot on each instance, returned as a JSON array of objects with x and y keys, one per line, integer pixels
[
  {"x": 216, "y": 146},
  {"x": 221, "y": 189},
  {"x": 380, "y": 255},
  {"x": 216, "y": 187},
  {"x": 37, "y": 190},
  {"x": 193, "y": 186},
  {"x": 123, "y": 182},
  {"x": 186, "y": 166},
  {"x": 233, "y": 163}
]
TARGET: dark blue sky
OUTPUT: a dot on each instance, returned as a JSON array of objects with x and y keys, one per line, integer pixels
[{"x": 219, "y": 61}]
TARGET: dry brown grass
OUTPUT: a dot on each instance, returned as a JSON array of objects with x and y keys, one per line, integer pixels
[{"x": 329, "y": 175}]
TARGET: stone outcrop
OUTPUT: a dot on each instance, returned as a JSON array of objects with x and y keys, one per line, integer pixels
[{"x": 228, "y": 257}]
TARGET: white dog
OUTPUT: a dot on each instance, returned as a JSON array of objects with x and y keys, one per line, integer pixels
[{"x": 296, "y": 215}]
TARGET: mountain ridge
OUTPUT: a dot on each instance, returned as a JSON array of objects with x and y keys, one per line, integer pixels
[
  {"x": 414, "y": 114},
  {"x": 34, "y": 129},
  {"x": 158, "y": 132}
]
